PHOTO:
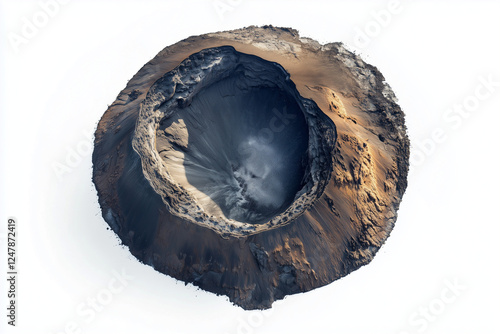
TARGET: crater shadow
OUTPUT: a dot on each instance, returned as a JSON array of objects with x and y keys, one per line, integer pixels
[{"x": 241, "y": 150}]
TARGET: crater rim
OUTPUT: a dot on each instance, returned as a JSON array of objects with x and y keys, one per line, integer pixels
[{"x": 175, "y": 91}]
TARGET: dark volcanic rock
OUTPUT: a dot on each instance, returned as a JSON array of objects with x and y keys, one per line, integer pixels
[{"x": 253, "y": 163}]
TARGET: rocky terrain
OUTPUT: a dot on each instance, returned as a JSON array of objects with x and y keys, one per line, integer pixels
[{"x": 253, "y": 163}]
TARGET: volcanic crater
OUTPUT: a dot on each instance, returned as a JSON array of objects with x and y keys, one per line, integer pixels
[{"x": 253, "y": 163}]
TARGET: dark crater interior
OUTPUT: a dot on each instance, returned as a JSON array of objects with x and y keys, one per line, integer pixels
[{"x": 240, "y": 149}]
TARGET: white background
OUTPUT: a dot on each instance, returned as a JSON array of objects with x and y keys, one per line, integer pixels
[{"x": 57, "y": 83}]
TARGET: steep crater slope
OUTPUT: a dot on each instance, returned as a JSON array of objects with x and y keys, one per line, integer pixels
[
  {"x": 253, "y": 163},
  {"x": 237, "y": 149}
]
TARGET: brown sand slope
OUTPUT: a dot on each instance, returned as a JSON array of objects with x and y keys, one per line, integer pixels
[{"x": 340, "y": 232}]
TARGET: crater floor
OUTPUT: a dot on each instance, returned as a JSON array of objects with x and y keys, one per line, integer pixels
[{"x": 222, "y": 150}]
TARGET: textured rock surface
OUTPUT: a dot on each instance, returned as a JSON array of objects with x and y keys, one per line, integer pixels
[
  {"x": 149, "y": 155},
  {"x": 229, "y": 144}
]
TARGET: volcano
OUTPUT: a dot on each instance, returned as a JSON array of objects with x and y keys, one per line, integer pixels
[{"x": 253, "y": 163}]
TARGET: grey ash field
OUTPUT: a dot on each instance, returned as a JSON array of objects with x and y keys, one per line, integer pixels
[{"x": 253, "y": 163}]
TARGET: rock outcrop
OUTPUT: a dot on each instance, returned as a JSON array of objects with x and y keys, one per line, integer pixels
[{"x": 253, "y": 163}]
